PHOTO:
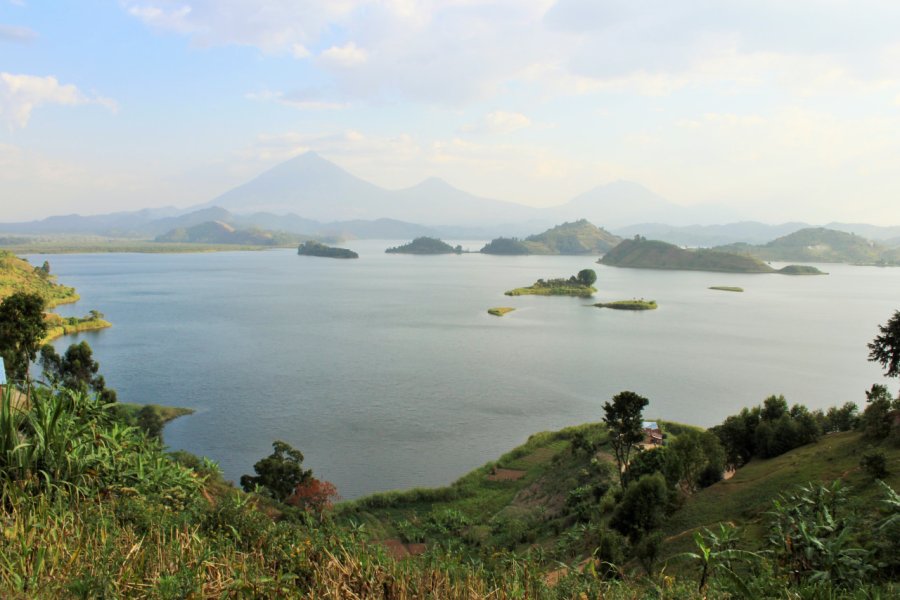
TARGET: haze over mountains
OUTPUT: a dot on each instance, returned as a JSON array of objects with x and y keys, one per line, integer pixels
[{"x": 310, "y": 195}]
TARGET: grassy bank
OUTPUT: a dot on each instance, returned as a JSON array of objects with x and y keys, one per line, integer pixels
[
  {"x": 58, "y": 326},
  {"x": 499, "y": 311},
  {"x": 165, "y": 413}
]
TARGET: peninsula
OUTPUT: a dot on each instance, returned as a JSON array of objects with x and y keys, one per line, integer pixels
[
  {"x": 819, "y": 244},
  {"x": 641, "y": 253},
  {"x": 425, "y": 245},
  {"x": 312, "y": 248},
  {"x": 58, "y": 326}
]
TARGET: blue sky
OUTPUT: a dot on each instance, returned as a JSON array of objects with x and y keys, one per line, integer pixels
[{"x": 779, "y": 110}]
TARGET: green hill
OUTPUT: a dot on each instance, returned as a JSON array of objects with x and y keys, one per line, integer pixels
[
  {"x": 425, "y": 245},
  {"x": 579, "y": 237},
  {"x": 17, "y": 275},
  {"x": 640, "y": 253},
  {"x": 312, "y": 248},
  {"x": 819, "y": 245},
  {"x": 218, "y": 232}
]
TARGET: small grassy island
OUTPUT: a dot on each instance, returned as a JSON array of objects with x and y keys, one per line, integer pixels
[
  {"x": 629, "y": 304},
  {"x": 425, "y": 245},
  {"x": 312, "y": 248},
  {"x": 726, "y": 288},
  {"x": 580, "y": 285},
  {"x": 499, "y": 311},
  {"x": 800, "y": 270}
]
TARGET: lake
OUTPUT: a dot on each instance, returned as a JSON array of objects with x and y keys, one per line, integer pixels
[{"x": 387, "y": 372}]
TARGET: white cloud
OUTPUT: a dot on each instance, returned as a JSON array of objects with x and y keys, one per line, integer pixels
[
  {"x": 499, "y": 122},
  {"x": 14, "y": 33},
  {"x": 21, "y": 94},
  {"x": 303, "y": 99},
  {"x": 347, "y": 56}
]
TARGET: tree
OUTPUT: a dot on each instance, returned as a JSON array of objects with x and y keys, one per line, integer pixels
[
  {"x": 22, "y": 327},
  {"x": 643, "y": 507},
  {"x": 695, "y": 458},
  {"x": 587, "y": 277},
  {"x": 278, "y": 474},
  {"x": 876, "y": 419},
  {"x": 623, "y": 422},
  {"x": 149, "y": 420},
  {"x": 314, "y": 495},
  {"x": 885, "y": 348},
  {"x": 75, "y": 370}
]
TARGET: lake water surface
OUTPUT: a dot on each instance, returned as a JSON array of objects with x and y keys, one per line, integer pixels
[{"x": 388, "y": 373}]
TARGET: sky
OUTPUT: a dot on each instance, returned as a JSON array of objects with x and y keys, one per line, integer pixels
[{"x": 779, "y": 110}]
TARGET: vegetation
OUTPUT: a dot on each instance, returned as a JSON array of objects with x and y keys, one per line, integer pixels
[
  {"x": 819, "y": 245},
  {"x": 151, "y": 418},
  {"x": 634, "y": 304},
  {"x": 76, "y": 370},
  {"x": 641, "y": 253},
  {"x": 726, "y": 288},
  {"x": 575, "y": 285},
  {"x": 278, "y": 474},
  {"x": 58, "y": 326},
  {"x": 579, "y": 237},
  {"x": 499, "y": 311},
  {"x": 425, "y": 245},
  {"x": 18, "y": 276},
  {"x": 311, "y": 248},
  {"x": 219, "y": 232}
]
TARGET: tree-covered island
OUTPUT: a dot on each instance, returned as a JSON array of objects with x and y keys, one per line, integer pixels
[
  {"x": 580, "y": 285},
  {"x": 312, "y": 248},
  {"x": 425, "y": 245},
  {"x": 634, "y": 304}
]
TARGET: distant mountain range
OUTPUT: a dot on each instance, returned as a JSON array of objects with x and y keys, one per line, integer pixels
[{"x": 309, "y": 195}]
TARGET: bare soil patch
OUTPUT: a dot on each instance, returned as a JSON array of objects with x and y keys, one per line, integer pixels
[{"x": 505, "y": 474}]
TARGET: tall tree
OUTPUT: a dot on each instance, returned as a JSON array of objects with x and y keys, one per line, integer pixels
[
  {"x": 885, "y": 348},
  {"x": 623, "y": 422},
  {"x": 278, "y": 474},
  {"x": 22, "y": 327},
  {"x": 76, "y": 369}
]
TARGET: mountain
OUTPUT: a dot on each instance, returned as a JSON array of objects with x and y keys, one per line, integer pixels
[
  {"x": 580, "y": 237},
  {"x": 318, "y": 189},
  {"x": 705, "y": 236},
  {"x": 623, "y": 203},
  {"x": 873, "y": 232},
  {"x": 818, "y": 244},
  {"x": 217, "y": 232}
]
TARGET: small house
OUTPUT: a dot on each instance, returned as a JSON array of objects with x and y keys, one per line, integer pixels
[
  {"x": 2, "y": 373},
  {"x": 653, "y": 435}
]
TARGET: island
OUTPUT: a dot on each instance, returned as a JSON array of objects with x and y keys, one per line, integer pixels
[
  {"x": 629, "y": 304},
  {"x": 425, "y": 245},
  {"x": 580, "y": 286},
  {"x": 579, "y": 237},
  {"x": 726, "y": 288},
  {"x": 312, "y": 248},
  {"x": 499, "y": 311}
]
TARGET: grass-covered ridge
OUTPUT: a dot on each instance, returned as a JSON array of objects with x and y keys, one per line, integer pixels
[
  {"x": 634, "y": 304},
  {"x": 18, "y": 275},
  {"x": 818, "y": 244}
]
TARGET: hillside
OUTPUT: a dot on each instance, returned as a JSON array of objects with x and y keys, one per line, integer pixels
[
  {"x": 425, "y": 245},
  {"x": 819, "y": 245},
  {"x": 640, "y": 253},
  {"x": 578, "y": 237},
  {"x": 311, "y": 248},
  {"x": 218, "y": 232},
  {"x": 17, "y": 275}
]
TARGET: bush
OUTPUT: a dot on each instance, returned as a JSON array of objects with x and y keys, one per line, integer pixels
[{"x": 874, "y": 463}]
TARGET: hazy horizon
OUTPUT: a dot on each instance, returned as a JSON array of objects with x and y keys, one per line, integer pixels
[{"x": 774, "y": 112}]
